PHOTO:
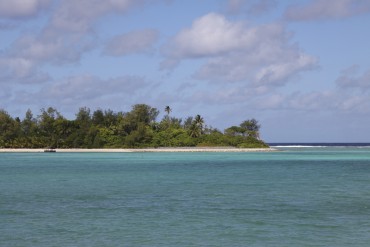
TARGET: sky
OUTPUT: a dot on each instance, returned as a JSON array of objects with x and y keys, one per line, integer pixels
[{"x": 301, "y": 68}]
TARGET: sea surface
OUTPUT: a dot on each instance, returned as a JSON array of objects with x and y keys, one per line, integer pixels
[{"x": 300, "y": 196}]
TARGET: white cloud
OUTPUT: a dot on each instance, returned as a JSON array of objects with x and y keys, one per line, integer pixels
[
  {"x": 350, "y": 78},
  {"x": 21, "y": 8},
  {"x": 132, "y": 42},
  {"x": 323, "y": 9},
  {"x": 311, "y": 101},
  {"x": 50, "y": 46},
  {"x": 265, "y": 98},
  {"x": 282, "y": 70},
  {"x": 238, "y": 52},
  {"x": 63, "y": 40},
  {"x": 210, "y": 35},
  {"x": 336, "y": 101},
  {"x": 354, "y": 102},
  {"x": 20, "y": 70},
  {"x": 70, "y": 32}
]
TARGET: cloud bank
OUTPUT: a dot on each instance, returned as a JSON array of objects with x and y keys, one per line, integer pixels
[{"x": 236, "y": 51}]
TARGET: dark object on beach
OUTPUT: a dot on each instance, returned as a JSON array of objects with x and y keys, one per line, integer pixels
[{"x": 49, "y": 150}]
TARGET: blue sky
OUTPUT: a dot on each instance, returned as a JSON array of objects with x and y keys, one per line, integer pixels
[{"x": 301, "y": 68}]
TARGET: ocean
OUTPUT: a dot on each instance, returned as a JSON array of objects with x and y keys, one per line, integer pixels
[{"x": 313, "y": 195}]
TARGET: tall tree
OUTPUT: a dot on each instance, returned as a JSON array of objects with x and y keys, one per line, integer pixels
[
  {"x": 251, "y": 128},
  {"x": 188, "y": 122},
  {"x": 110, "y": 118},
  {"x": 234, "y": 131},
  {"x": 83, "y": 116},
  {"x": 82, "y": 123},
  {"x": 28, "y": 130},
  {"x": 28, "y": 124},
  {"x": 47, "y": 125},
  {"x": 143, "y": 113},
  {"x": 98, "y": 117},
  {"x": 8, "y": 130}
]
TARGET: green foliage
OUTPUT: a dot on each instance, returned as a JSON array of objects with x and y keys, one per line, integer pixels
[
  {"x": 234, "y": 131},
  {"x": 9, "y": 129},
  {"x": 140, "y": 137},
  {"x": 173, "y": 137},
  {"x": 137, "y": 128},
  {"x": 252, "y": 142},
  {"x": 214, "y": 139},
  {"x": 250, "y": 128},
  {"x": 98, "y": 118}
]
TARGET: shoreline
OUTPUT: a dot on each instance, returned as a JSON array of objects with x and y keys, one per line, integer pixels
[{"x": 140, "y": 150}]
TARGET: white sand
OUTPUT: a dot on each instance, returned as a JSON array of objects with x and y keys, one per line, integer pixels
[{"x": 129, "y": 150}]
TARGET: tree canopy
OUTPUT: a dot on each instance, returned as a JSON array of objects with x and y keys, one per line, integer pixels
[{"x": 137, "y": 128}]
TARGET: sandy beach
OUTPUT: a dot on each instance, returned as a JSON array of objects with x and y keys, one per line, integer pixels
[{"x": 129, "y": 150}]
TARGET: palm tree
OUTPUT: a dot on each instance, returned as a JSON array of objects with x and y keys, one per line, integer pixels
[
  {"x": 168, "y": 110},
  {"x": 196, "y": 128},
  {"x": 198, "y": 120}
]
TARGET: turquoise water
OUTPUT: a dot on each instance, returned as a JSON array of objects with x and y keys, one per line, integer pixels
[{"x": 296, "y": 197}]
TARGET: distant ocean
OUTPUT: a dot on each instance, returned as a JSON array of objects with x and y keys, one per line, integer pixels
[
  {"x": 305, "y": 195},
  {"x": 320, "y": 144}
]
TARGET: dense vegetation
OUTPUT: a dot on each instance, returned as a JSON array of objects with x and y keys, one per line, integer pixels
[{"x": 107, "y": 129}]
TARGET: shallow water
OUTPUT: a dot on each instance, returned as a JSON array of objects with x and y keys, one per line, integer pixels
[{"x": 297, "y": 197}]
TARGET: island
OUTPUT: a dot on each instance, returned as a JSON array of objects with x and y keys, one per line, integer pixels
[{"x": 136, "y": 129}]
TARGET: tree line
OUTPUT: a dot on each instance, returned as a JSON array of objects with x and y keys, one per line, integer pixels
[{"x": 137, "y": 128}]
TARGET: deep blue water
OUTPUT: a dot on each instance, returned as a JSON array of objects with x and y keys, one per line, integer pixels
[{"x": 296, "y": 197}]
